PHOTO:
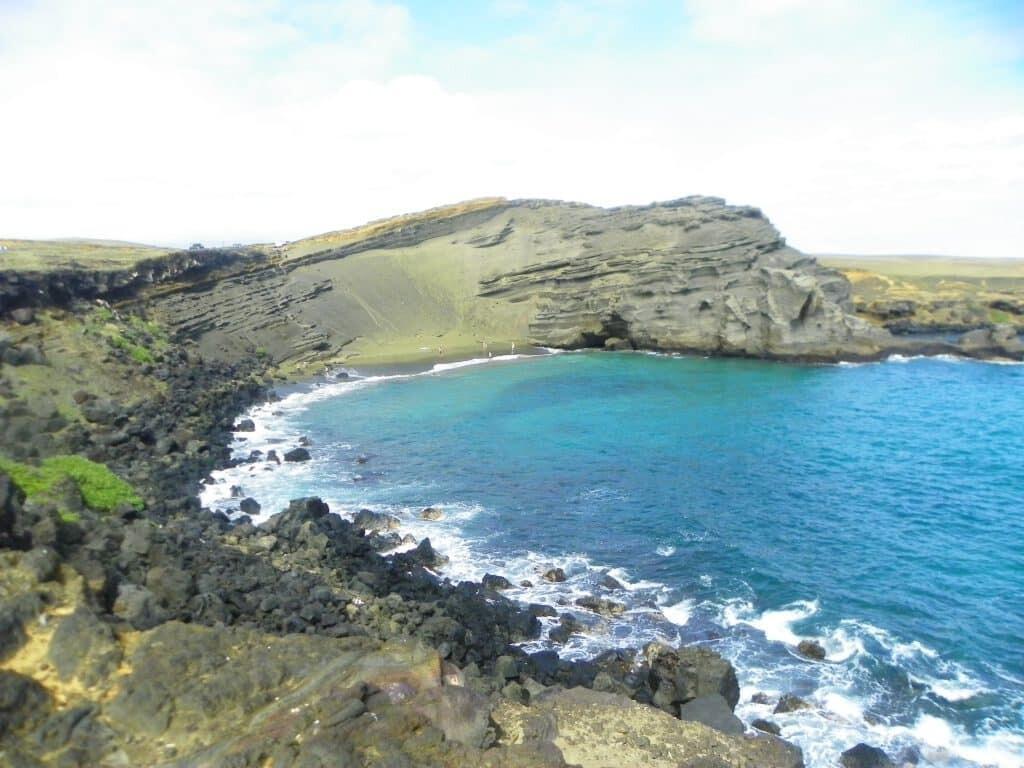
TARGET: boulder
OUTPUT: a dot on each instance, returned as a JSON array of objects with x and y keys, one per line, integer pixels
[
  {"x": 790, "y": 703},
  {"x": 245, "y": 425},
  {"x": 567, "y": 626},
  {"x": 554, "y": 575},
  {"x": 506, "y": 668},
  {"x": 23, "y": 315},
  {"x": 431, "y": 513},
  {"x": 864, "y": 756},
  {"x": 766, "y": 726},
  {"x": 610, "y": 582},
  {"x": 714, "y": 711},
  {"x": 24, "y": 703},
  {"x": 491, "y": 581},
  {"x": 297, "y": 454},
  {"x": 811, "y": 649},
  {"x": 678, "y": 675},
  {"x": 368, "y": 520},
  {"x": 615, "y": 343},
  {"x": 249, "y": 506},
  {"x": 599, "y": 605},
  {"x": 138, "y": 606}
]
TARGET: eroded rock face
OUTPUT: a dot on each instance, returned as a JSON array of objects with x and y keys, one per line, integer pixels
[{"x": 689, "y": 275}]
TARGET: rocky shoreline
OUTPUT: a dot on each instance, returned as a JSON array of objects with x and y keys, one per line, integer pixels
[{"x": 158, "y": 632}]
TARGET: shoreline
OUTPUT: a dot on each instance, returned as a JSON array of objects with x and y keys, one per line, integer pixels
[
  {"x": 172, "y": 574},
  {"x": 663, "y": 608}
]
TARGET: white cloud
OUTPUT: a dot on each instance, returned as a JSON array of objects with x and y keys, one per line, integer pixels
[
  {"x": 264, "y": 120},
  {"x": 748, "y": 20}
]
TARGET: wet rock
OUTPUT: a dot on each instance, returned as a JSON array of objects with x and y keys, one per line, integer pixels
[
  {"x": 554, "y": 575},
  {"x": 713, "y": 711},
  {"x": 272, "y": 456},
  {"x": 761, "y": 698},
  {"x": 497, "y": 583},
  {"x": 790, "y": 703},
  {"x": 811, "y": 649},
  {"x": 610, "y": 582},
  {"x": 766, "y": 726},
  {"x": 567, "y": 626},
  {"x": 249, "y": 506},
  {"x": 677, "y": 676},
  {"x": 369, "y": 520},
  {"x": 599, "y": 605},
  {"x": 864, "y": 756},
  {"x": 245, "y": 425},
  {"x": 539, "y": 609},
  {"x": 297, "y": 454},
  {"x": 431, "y": 513}
]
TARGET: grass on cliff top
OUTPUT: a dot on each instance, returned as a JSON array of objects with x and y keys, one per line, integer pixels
[
  {"x": 101, "y": 489},
  {"x": 343, "y": 237},
  {"x": 49, "y": 255}
]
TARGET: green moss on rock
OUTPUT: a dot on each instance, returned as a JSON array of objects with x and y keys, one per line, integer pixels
[{"x": 101, "y": 489}]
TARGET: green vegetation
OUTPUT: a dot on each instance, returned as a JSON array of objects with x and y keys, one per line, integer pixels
[
  {"x": 48, "y": 255},
  {"x": 101, "y": 489},
  {"x": 142, "y": 339},
  {"x": 998, "y": 316}
]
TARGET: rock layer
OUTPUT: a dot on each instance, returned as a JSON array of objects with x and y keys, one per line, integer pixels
[{"x": 691, "y": 275}]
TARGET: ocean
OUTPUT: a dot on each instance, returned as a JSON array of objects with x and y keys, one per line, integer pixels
[{"x": 746, "y": 505}]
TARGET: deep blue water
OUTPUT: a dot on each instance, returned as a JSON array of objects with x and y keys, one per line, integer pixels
[{"x": 747, "y": 504}]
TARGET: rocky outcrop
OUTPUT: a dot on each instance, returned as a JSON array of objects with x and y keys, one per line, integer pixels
[
  {"x": 690, "y": 275},
  {"x": 59, "y": 287}
]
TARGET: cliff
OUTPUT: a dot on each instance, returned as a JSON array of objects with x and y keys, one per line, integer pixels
[{"x": 692, "y": 275}]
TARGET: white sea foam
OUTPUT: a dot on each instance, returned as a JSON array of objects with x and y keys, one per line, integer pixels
[
  {"x": 665, "y": 550},
  {"x": 777, "y": 625},
  {"x": 940, "y": 741},
  {"x": 680, "y": 613}
]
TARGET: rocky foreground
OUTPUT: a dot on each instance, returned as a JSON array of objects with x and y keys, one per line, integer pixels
[{"x": 139, "y": 629}]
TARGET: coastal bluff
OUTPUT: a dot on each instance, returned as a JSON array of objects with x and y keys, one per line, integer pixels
[{"x": 689, "y": 275}]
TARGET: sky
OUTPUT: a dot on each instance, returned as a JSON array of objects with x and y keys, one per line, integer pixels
[{"x": 858, "y": 126}]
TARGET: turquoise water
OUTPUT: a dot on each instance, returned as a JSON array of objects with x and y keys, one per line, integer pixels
[{"x": 745, "y": 504}]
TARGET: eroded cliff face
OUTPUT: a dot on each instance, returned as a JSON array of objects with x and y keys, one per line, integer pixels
[
  {"x": 692, "y": 275},
  {"x": 689, "y": 275}
]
